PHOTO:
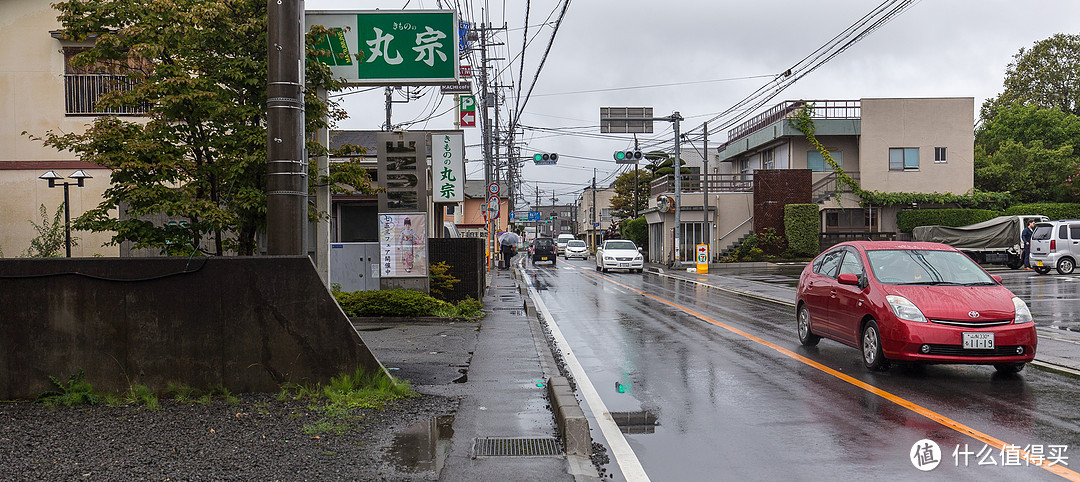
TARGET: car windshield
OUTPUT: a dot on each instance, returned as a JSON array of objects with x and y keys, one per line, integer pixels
[
  {"x": 929, "y": 267},
  {"x": 620, "y": 245},
  {"x": 575, "y": 244}
]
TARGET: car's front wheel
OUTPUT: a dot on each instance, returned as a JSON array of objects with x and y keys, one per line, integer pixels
[
  {"x": 873, "y": 356},
  {"x": 1066, "y": 266},
  {"x": 806, "y": 337}
]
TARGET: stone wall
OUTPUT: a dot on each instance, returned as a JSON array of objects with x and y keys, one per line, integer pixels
[{"x": 774, "y": 189}]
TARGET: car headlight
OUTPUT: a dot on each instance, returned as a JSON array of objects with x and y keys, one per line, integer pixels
[
  {"x": 1023, "y": 314},
  {"x": 638, "y": 258},
  {"x": 608, "y": 258},
  {"x": 905, "y": 309}
]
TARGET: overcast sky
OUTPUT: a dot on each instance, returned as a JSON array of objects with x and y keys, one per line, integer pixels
[{"x": 621, "y": 53}]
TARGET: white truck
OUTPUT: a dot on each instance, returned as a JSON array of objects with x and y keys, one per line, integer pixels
[{"x": 997, "y": 241}]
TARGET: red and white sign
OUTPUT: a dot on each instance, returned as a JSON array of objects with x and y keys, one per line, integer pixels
[
  {"x": 465, "y": 70},
  {"x": 493, "y": 206},
  {"x": 493, "y": 189},
  {"x": 468, "y": 119}
]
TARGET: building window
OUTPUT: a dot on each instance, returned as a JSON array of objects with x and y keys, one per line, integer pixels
[
  {"x": 84, "y": 86},
  {"x": 816, "y": 162},
  {"x": 939, "y": 155},
  {"x": 768, "y": 160},
  {"x": 855, "y": 219},
  {"x": 903, "y": 158}
]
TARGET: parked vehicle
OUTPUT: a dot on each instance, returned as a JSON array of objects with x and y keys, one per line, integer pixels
[
  {"x": 576, "y": 248},
  {"x": 917, "y": 302},
  {"x": 543, "y": 249},
  {"x": 997, "y": 241},
  {"x": 560, "y": 242},
  {"x": 1055, "y": 244},
  {"x": 619, "y": 254}
]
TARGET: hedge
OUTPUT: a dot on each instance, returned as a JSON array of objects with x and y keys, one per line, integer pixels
[
  {"x": 909, "y": 219},
  {"x": 802, "y": 226},
  {"x": 1050, "y": 210}
]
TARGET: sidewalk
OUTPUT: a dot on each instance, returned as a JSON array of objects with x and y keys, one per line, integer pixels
[
  {"x": 1056, "y": 352},
  {"x": 497, "y": 369}
]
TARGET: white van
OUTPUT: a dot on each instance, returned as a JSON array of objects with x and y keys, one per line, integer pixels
[
  {"x": 1055, "y": 245},
  {"x": 560, "y": 243}
]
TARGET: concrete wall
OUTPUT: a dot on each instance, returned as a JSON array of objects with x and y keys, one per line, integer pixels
[
  {"x": 248, "y": 324},
  {"x": 923, "y": 124}
]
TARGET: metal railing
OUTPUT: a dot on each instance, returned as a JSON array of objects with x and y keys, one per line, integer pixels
[
  {"x": 829, "y": 185},
  {"x": 697, "y": 182},
  {"x": 82, "y": 92},
  {"x": 823, "y": 109}
]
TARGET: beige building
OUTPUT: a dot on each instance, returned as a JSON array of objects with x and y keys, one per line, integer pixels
[
  {"x": 921, "y": 145},
  {"x": 594, "y": 214},
  {"x": 37, "y": 95}
]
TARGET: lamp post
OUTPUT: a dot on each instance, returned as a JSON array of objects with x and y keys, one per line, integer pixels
[{"x": 78, "y": 176}]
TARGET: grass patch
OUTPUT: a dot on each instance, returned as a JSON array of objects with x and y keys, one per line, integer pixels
[
  {"x": 77, "y": 391},
  {"x": 336, "y": 401}
]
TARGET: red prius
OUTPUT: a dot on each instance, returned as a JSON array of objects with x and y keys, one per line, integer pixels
[{"x": 913, "y": 301}]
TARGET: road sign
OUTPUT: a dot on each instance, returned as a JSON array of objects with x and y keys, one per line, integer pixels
[
  {"x": 467, "y": 110},
  {"x": 534, "y": 215},
  {"x": 493, "y": 189},
  {"x": 626, "y": 120},
  {"x": 596, "y": 225},
  {"x": 493, "y": 206}
]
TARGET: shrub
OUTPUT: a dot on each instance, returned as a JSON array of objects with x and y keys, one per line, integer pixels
[
  {"x": 802, "y": 226},
  {"x": 909, "y": 219},
  {"x": 405, "y": 303},
  {"x": 769, "y": 242},
  {"x": 636, "y": 230},
  {"x": 440, "y": 280},
  {"x": 1050, "y": 210}
]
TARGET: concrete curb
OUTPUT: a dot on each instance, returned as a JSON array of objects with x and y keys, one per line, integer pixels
[{"x": 569, "y": 417}]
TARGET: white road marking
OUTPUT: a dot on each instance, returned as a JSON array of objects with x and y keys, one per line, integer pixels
[{"x": 620, "y": 448}]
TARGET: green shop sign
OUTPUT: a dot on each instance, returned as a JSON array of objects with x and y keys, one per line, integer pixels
[{"x": 389, "y": 47}]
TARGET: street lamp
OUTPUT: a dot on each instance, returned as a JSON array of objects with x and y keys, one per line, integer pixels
[{"x": 78, "y": 176}]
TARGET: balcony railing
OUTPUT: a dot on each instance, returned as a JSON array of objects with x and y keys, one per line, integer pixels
[
  {"x": 82, "y": 92},
  {"x": 697, "y": 182},
  {"x": 829, "y": 185},
  {"x": 823, "y": 109}
]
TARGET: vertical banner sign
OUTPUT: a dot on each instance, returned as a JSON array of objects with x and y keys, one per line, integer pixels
[
  {"x": 389, "y": 47},
  {"x": 467, "y": 111},
  {"x": 448, "y": 167},
  {"x": 702, "y": 258},
  {"x": 403, "y": 245},
  {"x": 402, "y": 167}
]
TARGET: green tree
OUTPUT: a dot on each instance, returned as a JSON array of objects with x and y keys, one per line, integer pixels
[
  {"x": 200, "y": 155},
  {"x": 1029, "y": 151},
  {"x": 1046, "y": 75},
  {"x": 636, "y": 230},
  {"x": 624, "y": 204}
]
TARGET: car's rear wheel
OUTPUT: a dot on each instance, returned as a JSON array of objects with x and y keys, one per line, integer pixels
[
  {"x": 1014, "y": 262},
  {"x": 873, "y": 356},
  {"x": 1009, "y": 368},
  {"x": 1042, "y": 269},
  {"x": 806, "y": 337},
  {"x": 1066, "y": 266}
]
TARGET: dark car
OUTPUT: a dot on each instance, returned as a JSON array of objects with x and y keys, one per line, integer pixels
[
  {"x": 913, "y": 301},
  {"x": 543, "y": 249}
]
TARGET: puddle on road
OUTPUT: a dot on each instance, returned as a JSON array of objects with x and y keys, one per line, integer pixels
[
  {"x": 636, "y": 422},
  {"x": 423, "y": 446}
]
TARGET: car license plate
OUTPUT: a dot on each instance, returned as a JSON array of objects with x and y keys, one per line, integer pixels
[
  {"x": 624, "y": 265},
  {"x": 1038, "y": 263},
  {"x": 543, "y": 258},
  {"x": 978, "y": 341}
]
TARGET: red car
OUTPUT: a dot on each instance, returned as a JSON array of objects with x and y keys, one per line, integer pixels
[{"x": 913, "y": 301}]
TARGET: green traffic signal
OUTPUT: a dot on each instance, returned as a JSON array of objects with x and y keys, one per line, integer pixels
[
  {"x": 620, "y": 155},
  {"x": 538, "y": 157}
]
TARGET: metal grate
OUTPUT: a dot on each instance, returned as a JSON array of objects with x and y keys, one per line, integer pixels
[{"x": 515, "y": 447}]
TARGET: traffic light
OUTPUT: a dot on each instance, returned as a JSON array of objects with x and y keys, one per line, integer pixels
[
  {"x": 545, "y": 158},
  {"x": 628, "y": 157}
]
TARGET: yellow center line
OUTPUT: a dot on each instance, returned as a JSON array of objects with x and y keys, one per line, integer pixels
[{"x": 1056, "y": 469}]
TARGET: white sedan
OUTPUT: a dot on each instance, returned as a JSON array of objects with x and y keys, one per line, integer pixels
[{"x": 619, "y": 254}]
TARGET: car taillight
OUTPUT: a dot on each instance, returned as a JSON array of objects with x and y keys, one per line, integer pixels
[{"x": 1053, "y": 244}]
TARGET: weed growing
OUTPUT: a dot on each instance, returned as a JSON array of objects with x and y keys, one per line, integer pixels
[
  {"x": 77, "y": 391},
  {"x": 336, "y": 401}
]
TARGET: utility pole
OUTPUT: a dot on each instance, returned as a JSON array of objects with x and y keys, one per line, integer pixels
[
  {"x": 636, "y": 182},
  {"x": 705, "y": 187},
  {"x": 675, "y": 118},
  {"x": 286, "y": 164},
  {"x": 592, "y": 228},
  {"x": 486, "y": 134}
]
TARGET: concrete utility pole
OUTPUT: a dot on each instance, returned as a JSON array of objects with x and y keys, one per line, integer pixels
[
  {"x": 286, "y": 183},
  {"x": 592, "y": 228},
  {"x": 705, "y": 190},
  {"x": 675, "y": 118},
  {"x": 488, "y": 178}
]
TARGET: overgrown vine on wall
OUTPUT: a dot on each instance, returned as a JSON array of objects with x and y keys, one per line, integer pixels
[{"x": 973, "y": 198}]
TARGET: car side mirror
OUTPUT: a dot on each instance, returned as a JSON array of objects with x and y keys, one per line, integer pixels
[
  {"x": 996, "y": 278},
  {"x": 848, "y": 279}
]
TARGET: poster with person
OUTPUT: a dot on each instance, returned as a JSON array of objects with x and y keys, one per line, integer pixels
[{"x": 403, "y": 245}]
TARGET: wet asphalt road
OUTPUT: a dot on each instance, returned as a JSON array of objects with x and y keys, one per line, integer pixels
[{"x": 736, "y": 397}]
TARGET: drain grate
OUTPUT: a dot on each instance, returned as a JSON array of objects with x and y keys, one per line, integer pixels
[{"x": 515, "y": 447}]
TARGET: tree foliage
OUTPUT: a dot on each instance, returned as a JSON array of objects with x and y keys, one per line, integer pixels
[
  {"x": 1047, "y": 75},
  {"x": 1030, "y": 152},
  {"x": 624, "y": 205},
  {"x": 200, "y": 154}
]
